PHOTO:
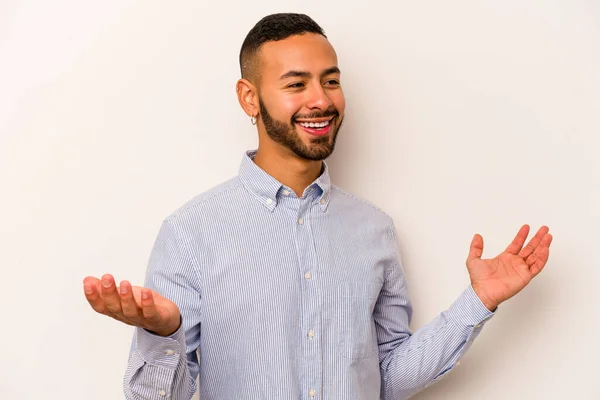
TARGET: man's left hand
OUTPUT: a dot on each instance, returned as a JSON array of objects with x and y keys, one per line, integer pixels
[{"x": 498, "y": 279}]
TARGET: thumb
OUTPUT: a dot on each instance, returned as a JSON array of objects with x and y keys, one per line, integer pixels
[{"x": 476, "y": 249}]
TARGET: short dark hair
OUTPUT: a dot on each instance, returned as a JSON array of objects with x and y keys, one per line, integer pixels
[{"x": 273, "y": 27}]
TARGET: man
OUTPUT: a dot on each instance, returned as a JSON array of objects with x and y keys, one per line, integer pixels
[{"x": 288, "y": 286}]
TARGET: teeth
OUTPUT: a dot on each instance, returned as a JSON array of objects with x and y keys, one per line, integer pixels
[{"x": 314, "y": 124}]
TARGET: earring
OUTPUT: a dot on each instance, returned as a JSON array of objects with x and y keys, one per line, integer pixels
[{"x": 253, "y": 120}]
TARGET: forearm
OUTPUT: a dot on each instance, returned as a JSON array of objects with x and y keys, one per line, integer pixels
[
  {"x": 427, "y": 355},
  {"x": 158, "y": 368}
]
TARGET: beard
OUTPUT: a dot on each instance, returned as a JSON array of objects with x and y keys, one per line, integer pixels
[{"x": 286, "y": 135}]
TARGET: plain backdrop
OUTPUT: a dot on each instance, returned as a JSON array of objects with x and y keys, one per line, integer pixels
[{"x": 462, "y": 117}]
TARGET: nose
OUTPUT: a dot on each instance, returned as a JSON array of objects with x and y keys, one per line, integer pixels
[{"x": 318, "y": 99}]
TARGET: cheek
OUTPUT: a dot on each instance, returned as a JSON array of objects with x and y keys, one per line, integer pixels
[
  {"x": 289, "y": 107},
  {"x": 283, "y": 108},
  {"x": 339, "y": 102}
]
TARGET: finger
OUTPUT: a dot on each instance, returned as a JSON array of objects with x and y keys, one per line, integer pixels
[
  {"x": 90, "y": 288},
  {"x": 110, "y": 295},
  {"x": 128, "y": 305},
  {"x": 534, "y": 242},
  {"x": 476, "y": 249},
  {"x": 137, "y": 295},
  {"x": 541, "y": 252},
  {"x": 518, "y": 241},
  {"x": 149, "y": 309},
  {"x": 547, "y": 240},
  {"x": 537, "y": 261}
]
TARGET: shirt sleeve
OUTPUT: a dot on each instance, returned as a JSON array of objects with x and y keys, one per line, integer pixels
[
  {"x": 410, "y": 361},
  {"x": 166, "y": 367}
]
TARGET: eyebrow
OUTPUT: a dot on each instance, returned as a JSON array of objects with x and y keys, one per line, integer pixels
[{"x": 304, "y": 74}]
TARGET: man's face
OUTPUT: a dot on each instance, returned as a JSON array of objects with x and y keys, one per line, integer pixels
[{"x": 301, "y": 99}]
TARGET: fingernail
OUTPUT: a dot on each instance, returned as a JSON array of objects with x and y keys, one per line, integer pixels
[
  {"x": 123, "y": 289},
  {"x": 145, "y": 295},
  {"x": 106, "y": 283},
  {"x": 87, "y": 289}
]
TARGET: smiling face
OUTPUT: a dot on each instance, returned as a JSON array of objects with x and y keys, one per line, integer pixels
[{"x": 301, "y": 103}]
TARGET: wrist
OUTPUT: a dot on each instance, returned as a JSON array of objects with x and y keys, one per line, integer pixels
[
  {"x": 167, "y": 330},
  {"x": 485, "y": 300}
]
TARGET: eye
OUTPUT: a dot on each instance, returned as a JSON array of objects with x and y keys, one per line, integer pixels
[
  {"x": 296, "y": 85},
  {"x": 332, "y": 82}
]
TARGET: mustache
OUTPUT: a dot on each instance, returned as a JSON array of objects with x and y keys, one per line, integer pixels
[{"x": 331, "y": 112}]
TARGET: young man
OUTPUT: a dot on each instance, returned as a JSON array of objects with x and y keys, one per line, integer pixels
[{"x": 288, "y": 286}]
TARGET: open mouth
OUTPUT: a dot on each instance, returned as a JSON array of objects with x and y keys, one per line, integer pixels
[{"x": 317, "y": 128}]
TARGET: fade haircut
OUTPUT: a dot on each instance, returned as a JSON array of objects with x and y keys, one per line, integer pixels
[{"x": 273, "y": 27}]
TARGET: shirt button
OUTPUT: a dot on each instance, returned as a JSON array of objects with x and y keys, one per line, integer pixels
[
  {"x": 300, "y": 221},
  {"x": 311, "y": 334},
  {"x": 307, "y": 276},
  {"x": 286, "y": 192},
  {"x": 269, "y": 201},
  {"x": 162, "y": 393},
  {"x": 322, "y": 201},
  {"x": 170, "y": 352},
  {"x": 478, "y": 326},
  {"x": 312, "y": 393}
]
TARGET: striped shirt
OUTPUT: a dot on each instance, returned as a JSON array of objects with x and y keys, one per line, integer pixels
[{"x": 289, "y": 298}]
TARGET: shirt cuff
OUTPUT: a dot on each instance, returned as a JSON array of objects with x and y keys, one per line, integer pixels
[
  {"x": 468, "y": 310},
  {"x": 162, "y": 351}
]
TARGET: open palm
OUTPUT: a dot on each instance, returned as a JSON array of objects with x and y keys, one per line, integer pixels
[
  {"x": 498, "y": 279},
  {"x": 133, "y": 305}
]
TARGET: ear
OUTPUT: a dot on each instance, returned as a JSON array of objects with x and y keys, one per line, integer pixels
[{"x": 248, "y": 97}]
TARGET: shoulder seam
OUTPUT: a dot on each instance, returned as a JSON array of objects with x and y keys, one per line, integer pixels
[
  {"x": 353, "y": 197},
  {"x": 198, "y": 202}
]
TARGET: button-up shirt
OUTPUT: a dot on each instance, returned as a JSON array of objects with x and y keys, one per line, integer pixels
[{"x": 287, "y": 297}]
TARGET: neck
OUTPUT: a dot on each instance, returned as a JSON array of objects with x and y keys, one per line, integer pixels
[{"x": 285, "y": 166}]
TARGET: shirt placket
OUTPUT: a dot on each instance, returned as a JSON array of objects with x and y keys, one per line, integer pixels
[{"x": 311, "y": 314}]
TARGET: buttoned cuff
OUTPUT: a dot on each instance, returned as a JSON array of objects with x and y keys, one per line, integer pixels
[
  {"x": 161, "y": 351},
  {"x": 468, "y": 311}
]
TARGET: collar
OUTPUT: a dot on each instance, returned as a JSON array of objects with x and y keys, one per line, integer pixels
[{"x": 267, "y": 189}]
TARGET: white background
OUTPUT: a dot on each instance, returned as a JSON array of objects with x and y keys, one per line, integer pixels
[{"x": 462, "y": 117}]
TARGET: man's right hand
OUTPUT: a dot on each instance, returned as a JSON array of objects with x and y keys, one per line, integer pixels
[{"x": 132, "y": 305}]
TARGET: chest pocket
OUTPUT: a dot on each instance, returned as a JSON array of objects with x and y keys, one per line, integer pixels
[{"x": 356, "y": 327}]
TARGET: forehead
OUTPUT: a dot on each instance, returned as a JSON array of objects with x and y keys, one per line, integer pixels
[{"x": 308, "y": 52}]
